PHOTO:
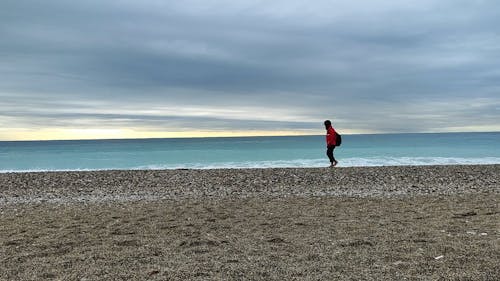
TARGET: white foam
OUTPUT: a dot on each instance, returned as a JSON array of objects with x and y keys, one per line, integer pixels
[
  {"x": 298, "y": 163},
  {"x": 347, "y": 162},
  {"x": 53, "y": 170},
  {"x": 417, "y": 161}
]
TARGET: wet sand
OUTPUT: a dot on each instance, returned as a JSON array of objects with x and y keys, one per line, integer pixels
[{"x": 384, "y": 223}]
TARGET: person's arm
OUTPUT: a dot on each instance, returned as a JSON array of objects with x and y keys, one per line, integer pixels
[{"x": 330, "y": 137}]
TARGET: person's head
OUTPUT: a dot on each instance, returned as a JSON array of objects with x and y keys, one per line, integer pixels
[{"x": 327, "y": 124}]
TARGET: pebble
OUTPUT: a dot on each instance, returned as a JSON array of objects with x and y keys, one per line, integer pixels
[{"x": 132, "y": 185}]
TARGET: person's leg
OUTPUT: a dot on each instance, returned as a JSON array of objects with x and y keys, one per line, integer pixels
[{"x": 329, "y": 153}]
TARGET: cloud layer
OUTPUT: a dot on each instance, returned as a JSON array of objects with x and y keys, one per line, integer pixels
[{"x": 382, "y": 66}]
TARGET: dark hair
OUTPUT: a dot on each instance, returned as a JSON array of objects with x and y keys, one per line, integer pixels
[{"x": 328, "y": 123}]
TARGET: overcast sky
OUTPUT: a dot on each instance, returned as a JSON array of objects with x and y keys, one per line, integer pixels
[{"x": 85, "y": 69}]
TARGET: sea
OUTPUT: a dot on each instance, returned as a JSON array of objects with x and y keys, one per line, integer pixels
[{"x": 249, "y": 152}]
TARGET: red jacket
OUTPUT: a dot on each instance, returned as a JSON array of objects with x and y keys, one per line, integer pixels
[{"x": 331, "y": 136}]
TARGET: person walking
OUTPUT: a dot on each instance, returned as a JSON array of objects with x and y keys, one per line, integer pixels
[{"x": 331, "y": 142}]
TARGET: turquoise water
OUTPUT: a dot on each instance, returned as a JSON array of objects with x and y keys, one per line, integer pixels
[{"x": 250, "y": 152}]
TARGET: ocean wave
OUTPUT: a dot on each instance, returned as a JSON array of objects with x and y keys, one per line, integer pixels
[
  {"x": 417, "y": 161},
  {"x": 296, "y": 163},
  {"x": 42, "y": 170},
  {"x": 347, "y": 162}
]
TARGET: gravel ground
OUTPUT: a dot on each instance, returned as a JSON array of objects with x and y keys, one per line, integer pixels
[
  {"x": 105, "y": 186},
  {"x": 384, "y": 223}
]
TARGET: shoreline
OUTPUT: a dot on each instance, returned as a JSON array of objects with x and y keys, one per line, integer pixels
[{"x": 238, "y": 168}]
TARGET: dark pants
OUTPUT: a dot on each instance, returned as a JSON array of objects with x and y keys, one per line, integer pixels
[{"x": 329, "y": 152}]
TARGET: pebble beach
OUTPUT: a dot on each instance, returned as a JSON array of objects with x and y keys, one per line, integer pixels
[{"x": 359, "y": 223}]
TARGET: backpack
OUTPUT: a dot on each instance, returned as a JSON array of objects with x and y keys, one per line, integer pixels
[{"x": 338, "y": 139}]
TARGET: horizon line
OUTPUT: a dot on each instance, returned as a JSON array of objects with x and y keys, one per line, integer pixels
[{"x": 238, "y": 136}]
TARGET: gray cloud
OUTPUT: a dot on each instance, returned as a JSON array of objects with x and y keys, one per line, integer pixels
[{"x": 389, "y": 66}]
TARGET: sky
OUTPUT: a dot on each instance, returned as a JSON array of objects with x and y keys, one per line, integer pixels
[{"x": 151, "y": 68}]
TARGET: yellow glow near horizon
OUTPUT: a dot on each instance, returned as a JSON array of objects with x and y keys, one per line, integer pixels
[
  {"x": 24, "y": 134},
  {"x": 92, "y": 133}
]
